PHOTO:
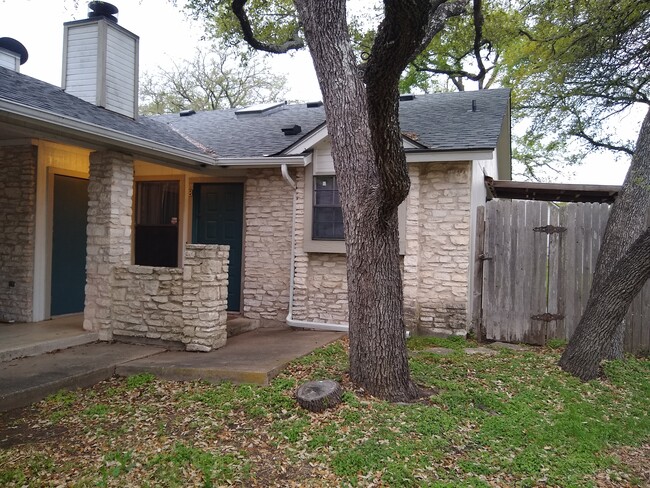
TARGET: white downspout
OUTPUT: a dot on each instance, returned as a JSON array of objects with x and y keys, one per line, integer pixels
[{"x": 290, "y": 321}]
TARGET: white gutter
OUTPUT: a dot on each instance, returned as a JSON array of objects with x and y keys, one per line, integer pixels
[
  {"x": 302, "y": 324},
  {"x": 97, "y": 133},
  {"x": 266, "y": 161}
]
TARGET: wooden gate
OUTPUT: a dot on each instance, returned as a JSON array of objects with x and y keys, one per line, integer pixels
[{"x": 537, "y": 262}]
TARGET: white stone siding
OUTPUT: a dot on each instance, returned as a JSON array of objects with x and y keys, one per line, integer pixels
[
  {"x": 443, "y": 247},
  {"x": 320, "y": 280},
  {"x": 435, "y": 264},
  {"x": 185, "y": 305},
  {"x": 110, "y": 192},
  {"x": 268, "y": 201},
  {"x": 17, "y": 228}
]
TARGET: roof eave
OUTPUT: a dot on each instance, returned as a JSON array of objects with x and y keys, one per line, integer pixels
[
  {"x": 299, "y": 161},
  {"x": 434, "y": 155},
  {"x": 96, "y": 135}
]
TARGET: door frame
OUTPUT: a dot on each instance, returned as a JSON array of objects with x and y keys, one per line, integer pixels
[
  {"x": 190, "y": 194},
  {"x": 51, "y": 173}
]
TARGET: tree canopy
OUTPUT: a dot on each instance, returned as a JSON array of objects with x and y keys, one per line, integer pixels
[
  {"x": 574, "y": 69},
  {"x": 218, "y": 78}
]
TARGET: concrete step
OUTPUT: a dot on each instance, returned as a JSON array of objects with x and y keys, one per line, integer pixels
[
  {"x": 25, "y": 340},
  {"x": 240, "y": 325},
  {"x": 28, "y": 380},
  {"x": 255, "y": 357}
]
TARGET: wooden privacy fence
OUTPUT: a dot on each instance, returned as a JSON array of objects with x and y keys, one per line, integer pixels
[{"x": 535, "y": 262}]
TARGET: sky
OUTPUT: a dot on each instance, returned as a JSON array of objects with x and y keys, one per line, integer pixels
[{"x": 167, "y": 34}]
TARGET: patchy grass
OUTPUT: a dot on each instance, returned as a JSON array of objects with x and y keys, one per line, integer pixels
[{"x": 512, "y": 419}]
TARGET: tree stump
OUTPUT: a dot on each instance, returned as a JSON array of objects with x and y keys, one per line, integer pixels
[{"x": 317, "y": 396}]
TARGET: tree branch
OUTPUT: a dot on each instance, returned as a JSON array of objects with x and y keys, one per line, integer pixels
[
  {"x": 478, "y": 38},
  {"x": 292, "y": 44},
  {"x": 596, "y": 143}
]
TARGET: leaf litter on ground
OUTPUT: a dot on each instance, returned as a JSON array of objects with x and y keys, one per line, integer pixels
[{"x": 511, "y": 419}]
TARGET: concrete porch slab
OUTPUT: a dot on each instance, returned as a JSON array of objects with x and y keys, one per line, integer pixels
[
  {"x": 32, "y": 339},
  {"x": 253, "y": 357},
  {"x": 28, "y": 380}
]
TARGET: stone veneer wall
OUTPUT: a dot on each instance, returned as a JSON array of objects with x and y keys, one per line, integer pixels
[
  {"x": 443, "y": 247},
  {"x": 435, "y": 264},
  {"x": 267, "y": 246},
  {"x": 110, "y": 192},
  {"x": 17, "y": 229},
  {"x": 320, "y": 280},
  {"x": 185, "y": 305}
]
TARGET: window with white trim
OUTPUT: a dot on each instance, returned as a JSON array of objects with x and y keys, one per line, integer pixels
[{"x": 327, "y": 216}]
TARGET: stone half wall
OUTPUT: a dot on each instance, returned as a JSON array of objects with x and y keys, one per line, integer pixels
[
  {"x": 185, "y": 305},
  {"x": 17, "y": 230},
  {"x": 435, "y": 264}
]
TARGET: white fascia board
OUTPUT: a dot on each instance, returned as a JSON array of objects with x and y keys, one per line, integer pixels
[
  {"x": 307, "y": 143},
  {"x": 301, "y": 160},
  {"x": 74, "y": 127},
  {"x": 422, "y": 155},
  {"x": 435, "y": 156}
]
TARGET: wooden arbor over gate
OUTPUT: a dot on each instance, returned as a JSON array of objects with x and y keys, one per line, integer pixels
[{"x": 535, "y": 262}]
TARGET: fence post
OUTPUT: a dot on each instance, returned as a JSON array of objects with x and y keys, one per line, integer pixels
[{"x": 477, "y": 292}]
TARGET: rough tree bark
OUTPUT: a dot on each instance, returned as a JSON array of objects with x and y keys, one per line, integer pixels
[
  {"x": 361, "y": 107},
  {"x": 600, "y": 333}
]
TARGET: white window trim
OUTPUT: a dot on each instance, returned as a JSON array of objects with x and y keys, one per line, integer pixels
[{"x": 311, "y": 245}]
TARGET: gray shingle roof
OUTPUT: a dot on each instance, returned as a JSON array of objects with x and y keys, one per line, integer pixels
[
  {"x": 19, "y": 88},
  {"x": 441, "y": 121},
  {"x": 250, "y": 135}
]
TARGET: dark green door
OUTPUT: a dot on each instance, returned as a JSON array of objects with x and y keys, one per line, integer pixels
[
  {"x": 218, "y": 219},
  {"x": 69, "y": 219}
]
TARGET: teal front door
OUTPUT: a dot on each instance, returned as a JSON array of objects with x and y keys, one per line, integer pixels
[
  {"x": 69, "y": 219},
  {"x": 218, "y": 219}
]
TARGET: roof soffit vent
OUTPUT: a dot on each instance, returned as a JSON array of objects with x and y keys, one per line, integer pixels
[{"x": 292, "y": 130}]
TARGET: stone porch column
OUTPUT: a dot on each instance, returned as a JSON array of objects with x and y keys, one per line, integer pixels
[{"x": 110, "y": 191}]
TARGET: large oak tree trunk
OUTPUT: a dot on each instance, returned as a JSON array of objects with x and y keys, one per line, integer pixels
[
  {"x": 600, "y": 333},
  {"x": 373, "y": 181}
]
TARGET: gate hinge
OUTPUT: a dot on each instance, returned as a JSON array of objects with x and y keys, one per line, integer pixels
[
  {"x": 549, "y": 229},
  {"x": 485, "y": 257},
  {"x": 547, "y": 317}
]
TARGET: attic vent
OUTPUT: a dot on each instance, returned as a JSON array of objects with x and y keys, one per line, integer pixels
[
  {"x": 406, "y": 97},
  {"x": 261, "y": 108},
  {"x": 102, "y": 9},
  {"x": 292, "y": 130},
  {"x": 314, "y": 104},
  {"x": 187, "y": 113}
]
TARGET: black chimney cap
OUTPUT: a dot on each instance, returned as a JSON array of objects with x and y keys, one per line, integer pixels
[
  {"x": 102, "y": 9},
  {"x": 14, "y": 46}
]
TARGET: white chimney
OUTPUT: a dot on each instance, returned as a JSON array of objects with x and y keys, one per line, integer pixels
[
  {"x": 100, "y": 61},
  {"x": 12, "y": 54}
]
